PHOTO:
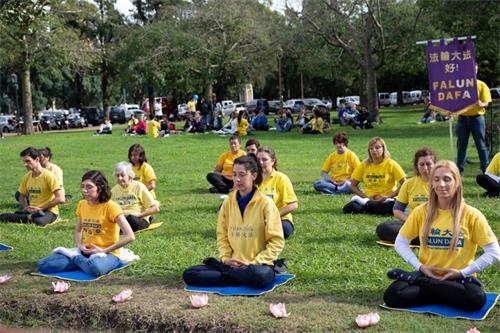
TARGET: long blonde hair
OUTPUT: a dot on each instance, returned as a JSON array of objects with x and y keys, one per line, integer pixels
[
  {"x": 457, "y": 204},
  {"x": 382, "y": 142}
]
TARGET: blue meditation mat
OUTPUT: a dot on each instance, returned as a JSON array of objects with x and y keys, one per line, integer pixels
[
  {"x": 449, "y": 312},
  {"x": 279, "y": 280},
  {"x": 4, "y": 247},
  {"x": 80, "y": 276}
]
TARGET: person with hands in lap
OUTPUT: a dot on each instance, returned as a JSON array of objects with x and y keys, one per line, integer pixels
[
  {"x": 249, "y": 235},
  {"x": 97, "y": 232},
  {"x": 450, "y": 232}
]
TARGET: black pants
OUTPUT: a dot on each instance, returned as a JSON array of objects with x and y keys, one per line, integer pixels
[
  {"x": 467, "y": 296},
  {"x": 255, "y": 276},
  {"x": 221, "y": 183},
  {"x": 389, "y": 230},
  {"x": 371, "y": 207},
  {"x": 24, "y": 217},
  {"x": 489, "y": 184},
  {"x": 137, "y": 223},
  {"x": 287, "y": 228}
]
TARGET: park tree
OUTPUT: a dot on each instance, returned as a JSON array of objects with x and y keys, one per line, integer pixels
[
  {"x": 359, "y": 29},
  {"x": 31, "y": 32}
]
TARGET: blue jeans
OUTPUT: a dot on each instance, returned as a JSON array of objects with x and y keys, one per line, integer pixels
[
  {"x": 325, "y": 186},
  {"x": 465, "y": 126},
  {"x": 94, "y": 266}
]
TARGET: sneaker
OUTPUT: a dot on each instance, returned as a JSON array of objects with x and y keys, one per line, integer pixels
[
  {"x": 68, "y": 252},
  {"x": 280, "y": 266}
]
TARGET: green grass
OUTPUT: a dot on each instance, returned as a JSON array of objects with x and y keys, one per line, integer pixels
[{"x": 340, "y": 270}]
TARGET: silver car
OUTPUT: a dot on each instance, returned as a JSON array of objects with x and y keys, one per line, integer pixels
[{"x": 7, "y": 124}]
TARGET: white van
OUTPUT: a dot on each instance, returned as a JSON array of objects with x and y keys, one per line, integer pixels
[
  {"x": 416, "y": 96},
  {"x": 393, "y": 98},
  {"x": 228, "y": 107},
  {"x": 384, "y": 99}
]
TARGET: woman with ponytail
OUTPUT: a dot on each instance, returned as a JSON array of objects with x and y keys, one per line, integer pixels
[
  {"x": 249, "y": 234},
  {"x": 450, "y": 232}
]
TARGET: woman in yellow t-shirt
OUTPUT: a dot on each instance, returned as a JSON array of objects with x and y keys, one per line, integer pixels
[
  {"x": 381, "y": 177},
  {"x": 337, "y": 168},
  {"x": 222, "y": 177},
  {"x": 315, "y": 125},
  {"x": 490, "y": 181},
  {"x": 133, "y": 197},
  {"x": 142, "y": 170},
  {"x": 242, "y": 124},
  {"x": 249, "y": 235},
  {"x": 277, "y": 186},
  {"x": 97, "y": 233},
  {"x": 414, "y": 192},
  {"x": 450, "y": 232}
]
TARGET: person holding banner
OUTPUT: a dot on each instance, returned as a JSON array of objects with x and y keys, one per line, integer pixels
[
  {"x": 450, "y": 232},
  {"x": 472, "y": 121},
  {"x": 490, "y": 181},
  {"x": 382, "y": 177}
]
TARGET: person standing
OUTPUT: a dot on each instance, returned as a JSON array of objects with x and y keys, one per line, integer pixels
[{"x": 472, "y": 121}]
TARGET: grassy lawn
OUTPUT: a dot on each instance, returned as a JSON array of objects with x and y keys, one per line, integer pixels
[{"x": 340, "y": 270}]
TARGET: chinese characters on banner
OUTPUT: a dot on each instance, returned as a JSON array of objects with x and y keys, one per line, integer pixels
[{"x": 452, "y": 76}]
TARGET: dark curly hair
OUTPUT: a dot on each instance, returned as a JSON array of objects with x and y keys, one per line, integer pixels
[{"x": 103, "y": 189}]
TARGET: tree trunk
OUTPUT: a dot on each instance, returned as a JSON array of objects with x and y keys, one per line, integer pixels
[
  {"x": 151, "y": 99},
  {"x": 27, "y": 102},
  {"x": 104, "y": 86},
  {"x": 370, "y": 72}
]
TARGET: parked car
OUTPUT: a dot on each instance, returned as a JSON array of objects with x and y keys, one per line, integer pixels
[
  {"x": 182, "y": 110},
  {"x": 294, "y": 105},
  {"x": 260, "y": 104},
  {"x": 7, "y": 123},
  {"x": 274, "y": 105},
  {"x": 117, "y": 115},
  {"x": 138, "y": 113},
  {"x": 384, "y": 99},
  {"x": 76, "y": 121},
  {"x": 348, "y": 100},
  {"x": 311, "y": 103},
  {"x": 92, "y": 114},
  {"x": 240, "y": 106},
  {"x": 228, "y": 107}
]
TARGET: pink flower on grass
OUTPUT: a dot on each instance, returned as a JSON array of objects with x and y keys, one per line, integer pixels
[
  {"x": 5, "y": 278},
  {"x": 60, "y": 286},
  {"x": 473, "y": 330},
  {"x": 123, "y": 296},
  {"x": 368, "y": 319},
  {"x": 198, "y": 301},
  {"x": 278, "y": 310}
]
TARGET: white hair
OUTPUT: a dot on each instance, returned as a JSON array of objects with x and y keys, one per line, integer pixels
[{"x": 124, "y": 167}]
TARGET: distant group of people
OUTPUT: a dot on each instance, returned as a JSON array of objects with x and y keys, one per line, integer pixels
[{"x": 352, "y": 115}]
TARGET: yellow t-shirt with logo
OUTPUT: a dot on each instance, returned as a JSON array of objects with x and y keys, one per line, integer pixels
[
  {"x": 242, "y": 127},
  {"x": 98, "y": 223},
  {"x": 483, "y": 94},
  {"x": 379, "y": 179},
  {"x": 279, "y": 188},
  {"x": 134, "y": 199},
  {"x": 474, "y": 231},
  {"x": 145, "y": 174},
  {"x": 341, "y": 166},
  {"x": 413, "y": 192},
  {"x": 494, "y": 167},
  {"x": 226, "y": 161},
  {"x": 57, "y": 171},
  {"x": 191, "y": 106},
  {"x": 153, "y": 128},
  {"x": 40, "y": 190}
]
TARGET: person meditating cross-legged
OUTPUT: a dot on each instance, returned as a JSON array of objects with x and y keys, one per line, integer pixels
[
  {"x": 414, "y": 192},
  {"x": 381, "y": 176},
  {"x": 249, "y": 235},
  {"x": 222, "y": 177},
  {"x": 490, "y": 180},
  {"x": 450, "y": 232},
  {"x": 134, "y": 198},
  {"x": 277, "y": 186},
  {"x": 97, "y": 232}
]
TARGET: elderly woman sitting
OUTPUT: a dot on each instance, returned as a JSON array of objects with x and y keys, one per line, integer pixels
[{"x": 133, "y": 197}]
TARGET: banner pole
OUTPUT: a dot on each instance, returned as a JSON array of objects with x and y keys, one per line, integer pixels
[{"x": 450, "y": 130}]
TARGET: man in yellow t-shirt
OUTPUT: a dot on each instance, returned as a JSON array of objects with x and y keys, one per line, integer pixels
[
  {"x": 153, "y": 127},
  {"x": 43, "y": 190},
  {"x": 490, "y": 181},
  {"x": 337, "y": 168},
  {"x": 472, "y": 121},
  {"x": 222, "y": 177},
  {"x": 45, "y": 161}
]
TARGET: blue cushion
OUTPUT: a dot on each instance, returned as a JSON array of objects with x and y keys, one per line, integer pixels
[
  {"x": 80, "y": 275},
  {"x": 278, "y": 280},
  {"x": 4, "y": 247},
  {"x": 449, "y": 312}
]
